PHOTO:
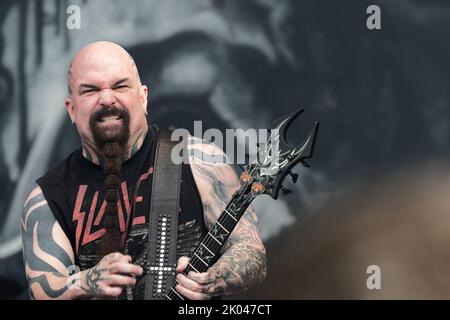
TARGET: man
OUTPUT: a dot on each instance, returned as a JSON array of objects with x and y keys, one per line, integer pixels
[{"x": 70, "y": 218}]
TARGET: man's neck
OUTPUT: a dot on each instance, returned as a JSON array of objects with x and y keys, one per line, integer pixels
[{"x": 93, "y": 154}]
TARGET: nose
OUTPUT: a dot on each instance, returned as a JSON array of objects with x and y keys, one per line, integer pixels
[{"x": 107, "y": 97}]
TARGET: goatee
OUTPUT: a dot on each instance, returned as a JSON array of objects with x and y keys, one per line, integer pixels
[
  {"x": 110, "y": 125},
  {"x": 111, "y": 131}
]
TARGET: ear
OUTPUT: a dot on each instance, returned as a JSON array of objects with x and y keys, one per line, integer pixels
[
  {"x": 144, "y": 95},
  {"x": 70, "y": 107}
]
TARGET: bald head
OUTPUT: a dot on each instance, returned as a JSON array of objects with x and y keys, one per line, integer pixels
[
  {"x": 106, "y": 98},
  {"x": 98, "y": 57}
]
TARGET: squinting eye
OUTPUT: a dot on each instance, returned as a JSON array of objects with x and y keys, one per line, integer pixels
[
  {"x": 121, "y": 87},
  {"x": 88, "y": 91}
]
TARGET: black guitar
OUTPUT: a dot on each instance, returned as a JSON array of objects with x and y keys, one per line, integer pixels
[{"x": 275, "y": 161}]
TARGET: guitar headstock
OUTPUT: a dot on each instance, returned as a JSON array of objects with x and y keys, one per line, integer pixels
[{"x": 277, "y": 158}]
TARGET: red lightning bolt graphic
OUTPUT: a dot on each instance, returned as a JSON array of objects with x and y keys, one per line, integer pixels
[{"x": 77, "y": 215}]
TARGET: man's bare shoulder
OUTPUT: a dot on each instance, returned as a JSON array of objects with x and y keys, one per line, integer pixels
[{"x": 206, "y": 153}]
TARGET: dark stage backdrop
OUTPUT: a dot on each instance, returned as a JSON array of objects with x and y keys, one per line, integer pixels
[{"x": 378, "y": 190}]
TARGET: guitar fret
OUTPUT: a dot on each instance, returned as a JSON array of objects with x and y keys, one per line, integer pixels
[
  {"x": 214, "y": 238},
  {"x": 230, "y": 215},
  {"x": 193, "y": 267},
  {"x": 177, "y": 293},
  {"x": 167, "y": 296},
  {"x": 201, "y": 260},
  {"x": 207, "y": 249},
  {"x": 222, "y": 227}
]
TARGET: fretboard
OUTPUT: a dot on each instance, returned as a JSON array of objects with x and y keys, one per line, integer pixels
[{"x": 208, "y": 250}]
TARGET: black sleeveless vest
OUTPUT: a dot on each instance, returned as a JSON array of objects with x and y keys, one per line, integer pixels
[{"x": 74, "y": 192}]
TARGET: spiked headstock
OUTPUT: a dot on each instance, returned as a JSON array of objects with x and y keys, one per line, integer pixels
[{"x": 277, "y": 158}]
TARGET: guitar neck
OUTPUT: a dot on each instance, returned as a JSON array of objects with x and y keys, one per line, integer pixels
[{"x": 208, "y": 250}]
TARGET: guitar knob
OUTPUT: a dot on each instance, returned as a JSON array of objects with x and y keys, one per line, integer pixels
[
  {"x": 285, "y": 191},
  {"x": 257, "y": 189},
  {"x": 245, "y": 178},
  {"x": 294, "y": 176}
]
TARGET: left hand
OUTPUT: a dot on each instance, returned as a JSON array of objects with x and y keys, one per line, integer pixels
[{"x": 196, "y": 286}]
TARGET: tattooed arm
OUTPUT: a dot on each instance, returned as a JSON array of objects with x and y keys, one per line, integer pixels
[
  {"x": 48, "y": 256},
  {"x": 47, "y": 251},
  {"x": 243, "y": 263}
]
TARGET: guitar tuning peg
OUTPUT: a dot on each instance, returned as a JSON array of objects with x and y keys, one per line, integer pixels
[
  {"x": 294, "y": 176},
  {"x": 305, "y": 164},
  {"x": 285, "y": 191}
]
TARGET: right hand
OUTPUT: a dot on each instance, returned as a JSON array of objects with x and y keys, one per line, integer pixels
[{"x": 110, "y": 276}]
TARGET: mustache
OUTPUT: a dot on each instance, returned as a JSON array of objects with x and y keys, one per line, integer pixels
[{"x": 110, "y": 111}]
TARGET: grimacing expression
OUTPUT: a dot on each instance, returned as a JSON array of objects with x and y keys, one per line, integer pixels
[
  {"x": 105, "y": 91},
  {"x": 110, "y": 124}
]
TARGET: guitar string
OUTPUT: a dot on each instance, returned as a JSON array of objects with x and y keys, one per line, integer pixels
[
  {"x": 224, "y": 219},
  {"x": 194, "y": 260}
]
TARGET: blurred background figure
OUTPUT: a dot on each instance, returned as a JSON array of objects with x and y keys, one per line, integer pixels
[
  {"x": 399, "y": 223},
  {"x": 376, "y": 194}
]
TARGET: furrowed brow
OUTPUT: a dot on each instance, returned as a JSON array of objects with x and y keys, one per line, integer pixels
[
  {"x": 84, "y": 86},
  {"x": 87, "y": 86},
  {"x": 121, "y": 81}
]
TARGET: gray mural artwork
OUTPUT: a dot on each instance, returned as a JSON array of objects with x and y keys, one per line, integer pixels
[{"x": 381, "y": 94}]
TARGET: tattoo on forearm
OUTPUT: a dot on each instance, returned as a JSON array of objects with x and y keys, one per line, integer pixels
[
  {"x": 46, "y": 262},
  {"x": 42, "y": 280},
  {"x": 240, "y": 267}
]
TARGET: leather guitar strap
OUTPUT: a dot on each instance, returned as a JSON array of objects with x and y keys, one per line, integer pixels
[{"x": 163, "y": 220}]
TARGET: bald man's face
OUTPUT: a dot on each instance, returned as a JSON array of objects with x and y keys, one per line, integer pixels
[{"x": 104, "y": 87}]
